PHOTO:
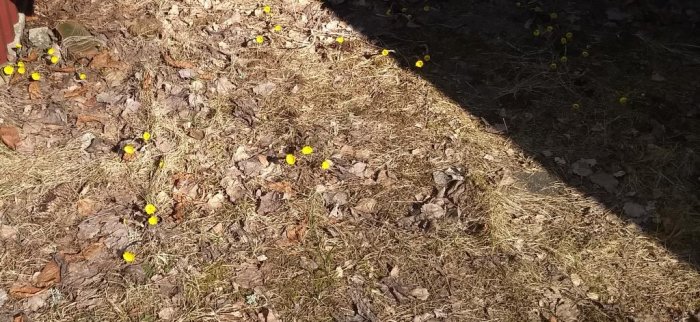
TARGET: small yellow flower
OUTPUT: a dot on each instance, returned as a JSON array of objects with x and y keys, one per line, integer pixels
[
  {"x": 161, "y": 163},
  {"x": 290, "y": 159},
  {"x": 36, "y": 76},
  {"x": 153, "y": 220},
  {"x": 128, "y": 257},
  {"x": 21, "y": 70},
  {"x": 8, "y": 70},
  {"x": 553, "y": 66},
  {"x": 306, "y": 150},
  {"x": 569, "y": 35},
  {"x": 536, "y": 32},
  {"x": 82, "y": 76},
  {"x": 419, "y": 63},
  {"x": 388, "y": 12},
  {"x": 150, "y": 209},
  {"x": 553, "y": 15},
  {"x": 259, "y": 39},
  {"x": 267, "y": 9},
  {"x": 404, "y": 9},
  {"x": 550, "y": 28},
  {"x": 277, "y": 28},
  {"x": 623, "y": 100},
  {"x": 563, "y": 40},
  {"x": 129, "y": 149},
  {"x": 326, "y": 164},
  {"x": 51, "y": 51},
  {"x": 18, "y": 46},
  {"x": 563, "y": 59},
  {"x": 426, "y": 8},
  {"x": 385, "y": 52},
  {"x": 585, "y": 53},
  {"x": 426, "y": 58},
  {"x": 146, "y": 136},
  {"x": 340, "y": 40},
  {"x": 54, "y": 60},
  {"x": 20, "y": 64},
  {"x": 576, "y": 106}
]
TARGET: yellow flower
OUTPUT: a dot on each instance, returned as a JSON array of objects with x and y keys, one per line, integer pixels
[
  {"x": 82, "y": 76},
  {"x": 146, "y": 136},
  {"x": 306, "y": 150},
  {"x": 128, "y": 257},
  {"x": 553, "y": 15},
  {"x": 8, "y": 70},
  {"x": 563, "y": 40},
  {"x": 385, "y": 52},
  {"x": 404, "y": 9},
  {"x": 340, "y": 40},
  {"x": 18, "y": 45},
  {"x": 129, "y": 149},
  {"x": 585, "y": 53},
  {"x": 426, "y": 57},
  {"x": 388, "y": 12},
  {"x": 277, "y": 28},
  {"x": 553, "y": 66},
  {"x": 267, "y": 9},
  {"x": 36, "y": 76},
  {"x": 290, "y": 159},
  {"x": 623, "y": 100},
  {"x": 21, "y": 70},
  {"x": 536, "y": 32},
  {"x": 563, "y": 59},
  {"x": 576, "y": 106},
  {"x": 419, "y": 63},
  {"x": 326, "y": 164},
  {"x": 51, "y": 51},
  {"x": 259, "y": 39},
  {"x": 569, "y": 35},
  {"x": 54, "y": 59},
  {"x": 153, "y": 220},
  {"x": 426, "y": 8},
  {"x": 161, "y": 163},
  {"x": 20, "y": 64},
  {"x": 150, "y": 209},
  {"x": 550, "y": 28}
]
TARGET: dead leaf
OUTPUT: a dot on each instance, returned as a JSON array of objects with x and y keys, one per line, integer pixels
[
  {"x": 249, "y": 276},
  {"x": 64, "y": 69},
  {"x": 147, "y": 26},
  {"x": 10, "y": 136},
  {"x": 176, "y": 63},
  {"x": 8, "y": 232},
  {"x": 86, "y": 207},
  {"x": 77, "y": 40},
  {"x": 366, "y": 206},
  {"x": 432, "y": 211},
  {"x": 34, "y": 90},
  {"x": 294, "y": 234},
  {"x": 78, "y": 91},
  {"x": 216, "y": 201},
  {"x": 270, "y": 202},
  {"x": 23, "y": 290},
  {"x": 420, "y": 293},
  {"x": 87, "y": 118},
  {"x": 264, "y": 89},
  {"x": 284, "y": 187},
  {"x": 105, "y": 60},
  {"x": 185, "y": 189},
  {"x": 32, "y": 56},
  {"x": 49, "y": 275}
]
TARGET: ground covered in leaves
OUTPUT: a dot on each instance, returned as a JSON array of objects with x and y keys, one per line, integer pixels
[{"x": 406, "y": 207}]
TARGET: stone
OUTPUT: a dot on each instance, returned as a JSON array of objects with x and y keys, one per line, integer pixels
[{"x": 40, "y": 37}]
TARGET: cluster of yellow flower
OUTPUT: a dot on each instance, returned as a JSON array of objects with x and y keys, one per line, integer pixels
[
  {"x": 51, "y": 57},
  {"x": 291, "y": 159}
]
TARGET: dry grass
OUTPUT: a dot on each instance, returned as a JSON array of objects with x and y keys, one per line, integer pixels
[{"x": 329, "y": 97}]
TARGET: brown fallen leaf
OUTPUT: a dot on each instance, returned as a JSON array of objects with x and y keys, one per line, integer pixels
[
  {"x": 105, "y": 60},
  {"x": 87, "y": 118},
  {"x": 176, "y": 63},
  {"x": 49, "y": 275},
  {"x": 19, "y": 317},
  {"x": 86, "y": 207},
  {"x": 10, "y": 136},
  {"x": 34, "y": 90},
  {"x": 281, "y": 186},
  {"x": 78, "y": 91},
  {"x": 294, "y": 234},
  {"x": 23, "y": 290},
  {"x": 32, "y": 56},
  {"x": 64, "y": 69}
]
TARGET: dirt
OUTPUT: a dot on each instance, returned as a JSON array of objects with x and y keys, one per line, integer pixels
[{"x": 300, "y": 174}]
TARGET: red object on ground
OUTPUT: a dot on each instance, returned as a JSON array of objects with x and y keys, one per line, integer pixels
[{"x": 8, "y": 19}]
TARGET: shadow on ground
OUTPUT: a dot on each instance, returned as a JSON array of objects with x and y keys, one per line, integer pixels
[{"x": 611, "y": 109}]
